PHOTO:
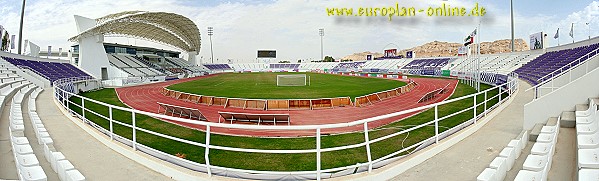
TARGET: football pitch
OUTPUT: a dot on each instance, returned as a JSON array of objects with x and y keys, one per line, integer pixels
[{"x": 264, "y": 86}]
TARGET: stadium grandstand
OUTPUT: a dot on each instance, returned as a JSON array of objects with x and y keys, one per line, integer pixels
[
  {"x": 29, "y": 76},
  {"x": 123, "y": 112}
]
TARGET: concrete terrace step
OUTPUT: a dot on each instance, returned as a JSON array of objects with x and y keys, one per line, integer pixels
[
  {"x": 595, "y": 100},
  {"x": 568, "y": 119},
  {"x": 552, "y": 121},
  {"x": 582, "y": 107},
  {"x": 564, "y": 159},
  {"x": 536, "y": 130}
]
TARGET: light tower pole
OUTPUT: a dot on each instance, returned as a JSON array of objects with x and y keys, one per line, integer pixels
[
  {"x": 210, "y": 33},
  {"x": 512, "y": 14},
  {"x": 21, "y": 27},
  {"x": 321, "y": 33},
  {"x": 589, "y": 27}
]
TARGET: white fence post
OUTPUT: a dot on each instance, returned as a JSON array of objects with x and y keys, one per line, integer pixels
[
  {"x": 66, "y": 99},
  {"x": 474, "y": 108},
  {"x": 207, "y": 150},
  {"x": 552, "y": 84},
  {"x": 318, "y": 161},
  {"x": 110, "y": 119},
  {"x": 486, "y": 99},
  {"x": 134, "y": 130},
  {"x": 367, "y": 146},
  {"x": 502, "y": 93},
  {"x": 83, "y": 108},
  {"x": 436, "y": 124}
]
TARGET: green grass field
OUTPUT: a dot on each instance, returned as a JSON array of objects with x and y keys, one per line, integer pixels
[
  {"x": 280, "y": 162},
  {"x": 264, "y": 86}
]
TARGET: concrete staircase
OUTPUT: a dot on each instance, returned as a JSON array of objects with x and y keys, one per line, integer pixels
[{"x": 565, "y": 157}]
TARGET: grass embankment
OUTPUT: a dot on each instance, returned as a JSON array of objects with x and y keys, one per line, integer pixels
[
  {"x": 279, "y": 162},
  {"x": 264, "y": 86}
]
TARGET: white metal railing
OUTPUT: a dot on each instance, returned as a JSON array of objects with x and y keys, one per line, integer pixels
[
  {"x": 566, "y": 69},
  {"x": 63, "y": 98},
  {"x": 71, "y": 79}
]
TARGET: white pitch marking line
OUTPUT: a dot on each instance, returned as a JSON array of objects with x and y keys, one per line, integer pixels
[{"x": 220, "y": 83}]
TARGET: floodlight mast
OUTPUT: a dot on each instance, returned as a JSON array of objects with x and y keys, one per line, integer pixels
[
  {"x": 21, "y": 27},
  {"x": 512, "y": 15},
  {"x": 210, "y": 33},
  {"x": 321, "y": 33}
]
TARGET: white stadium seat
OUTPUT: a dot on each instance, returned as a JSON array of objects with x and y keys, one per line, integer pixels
[
  {"x": 56, "y": 156},
  {"x": 74, "y": 175},
  {"x": 500, "y": 164},
  {"x": 542, "y": 149},
  {"x": 588, "y": 174},
  {"x": 588, "y": 158},
  {"x": 510, "y": 156},
  {"x": 588, "y": 141},
  {"x": 536, "y": 162},
  {"x": 488, "y": 174},
  {"x": 62, "y": 167},
  {"x": 517, "y": 146},
  {"x": 27, "y": 160},
  {"x": 35, "y": 173},
  {"x": 527, "y": 175}
]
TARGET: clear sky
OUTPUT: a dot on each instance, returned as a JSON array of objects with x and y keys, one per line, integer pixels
[{"x": 291, "y": 26}]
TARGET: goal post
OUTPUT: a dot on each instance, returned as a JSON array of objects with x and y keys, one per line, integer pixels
[{"x": 293, "y": 80}]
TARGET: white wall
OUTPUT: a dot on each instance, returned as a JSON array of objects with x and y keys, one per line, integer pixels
[{"x": 92, "y": 56}]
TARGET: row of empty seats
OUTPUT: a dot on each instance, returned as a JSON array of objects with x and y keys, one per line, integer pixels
[
  {"x": 538, "y": 162},
  {"x": 249, "y": 67},
  {"x": 587, "y": 138},
  {"x": 64, "y": 168},
  {"x": 385, "y": 64},
  {"x": 348, "y": 66},
  {"x": 505, "y": 160},
  {"x": 492, "y": 63},
  {"x": 427, "y": 64},
  {"x": 284, "y": 66},
  {"x": 184, "y": 64},
  {"x": 318, "y": 65},
  {"x": 220, "y": 67},
  {"x": 132, "y": 65},
  {"x": 49, "y": 70},
  {"x": 536, "y": 70},
  {"x": 26, "y": 161}
]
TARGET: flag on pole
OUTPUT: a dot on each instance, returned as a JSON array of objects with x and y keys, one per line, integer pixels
[
  {"x": 26, "y": 43},
  {"x": 59, "y": 52},
  {"x": 572, "y": 31},
  {"x": 470, "y": 38},
  {"x": 556, "y": 34},
  {"x": 12, "y": 42},
  {"x": 49, "y": 51}
]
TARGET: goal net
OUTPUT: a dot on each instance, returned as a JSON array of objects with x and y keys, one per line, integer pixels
[{"x": 293, "y": 80}]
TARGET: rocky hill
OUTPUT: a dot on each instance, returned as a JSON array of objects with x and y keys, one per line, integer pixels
[
  {"x": 444, "y": 49},
  {"x": 361, "y": 56}
]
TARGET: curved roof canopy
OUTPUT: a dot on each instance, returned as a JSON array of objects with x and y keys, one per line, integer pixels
[{"x": 167, "y": 28}]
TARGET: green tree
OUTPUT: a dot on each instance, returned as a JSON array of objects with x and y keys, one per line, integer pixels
[
  {"x": 4, "y": 45},
  {"x": 329, "y": 59}
]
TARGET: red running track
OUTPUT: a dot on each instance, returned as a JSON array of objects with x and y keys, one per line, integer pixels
[{"x": 144, "y": 97}]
